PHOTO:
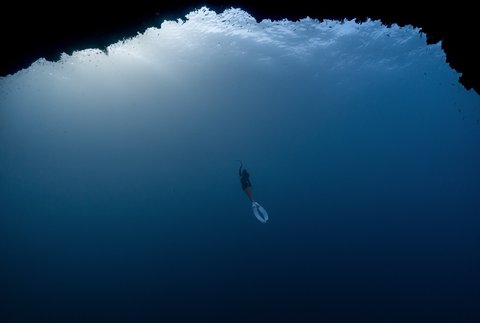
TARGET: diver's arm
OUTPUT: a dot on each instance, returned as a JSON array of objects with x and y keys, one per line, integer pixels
[{"x": 240, "y": 170}]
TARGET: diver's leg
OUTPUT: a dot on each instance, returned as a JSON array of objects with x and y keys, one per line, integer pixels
[{"x": 248, "y": 191}]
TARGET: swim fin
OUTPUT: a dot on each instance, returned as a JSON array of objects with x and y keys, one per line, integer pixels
[{"x": 259, "y": 212}]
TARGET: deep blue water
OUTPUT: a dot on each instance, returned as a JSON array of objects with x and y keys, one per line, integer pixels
[{"x": 120, "y": 199}]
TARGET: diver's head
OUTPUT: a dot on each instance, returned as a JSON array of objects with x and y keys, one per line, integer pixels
[{"x": 244, "y": 172}]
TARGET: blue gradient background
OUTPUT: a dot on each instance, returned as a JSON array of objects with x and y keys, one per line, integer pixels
[{"x": 120, "y": 199}]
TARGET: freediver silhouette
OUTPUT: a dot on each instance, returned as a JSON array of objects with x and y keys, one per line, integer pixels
[
  {"x": 245, "y": 182},
  {"x": 259, "y": 212}
]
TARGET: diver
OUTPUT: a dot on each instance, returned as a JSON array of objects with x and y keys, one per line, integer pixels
[
  {"x": 259, "y": 212},
  {"x": 245, "y": 181}
]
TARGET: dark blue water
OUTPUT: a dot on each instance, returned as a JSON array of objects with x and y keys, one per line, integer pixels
[{"x": 120, "y": 199}]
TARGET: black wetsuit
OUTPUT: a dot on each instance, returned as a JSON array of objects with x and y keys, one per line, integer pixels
[{"x": 244, "y": 178}]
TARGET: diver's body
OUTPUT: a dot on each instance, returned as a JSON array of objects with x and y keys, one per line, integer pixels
[
  {"x": 245, "y": 181},
  {"x": 257, "y": 209}
]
